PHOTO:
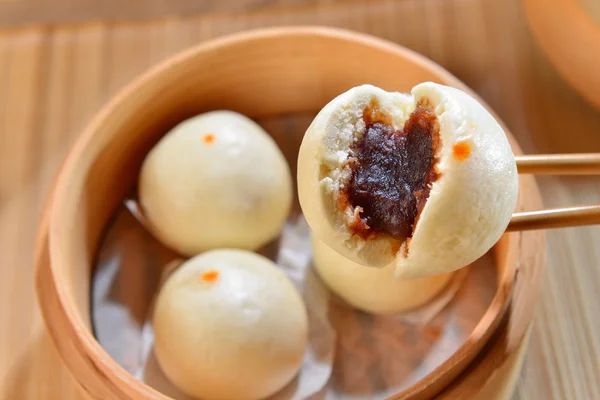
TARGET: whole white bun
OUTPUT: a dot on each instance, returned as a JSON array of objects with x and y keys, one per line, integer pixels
[
  {"x": 229, "y": 324},
  {"x": 469, "y": 204},
  {"x": 374, "y": 290},
  {"x": 215, "y": 180}
]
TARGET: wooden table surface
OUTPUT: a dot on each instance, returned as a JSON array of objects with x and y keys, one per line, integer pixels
[{"x": 70, "y": 57}]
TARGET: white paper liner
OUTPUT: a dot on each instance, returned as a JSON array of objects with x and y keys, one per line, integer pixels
[{"x": 130, "y": 342}]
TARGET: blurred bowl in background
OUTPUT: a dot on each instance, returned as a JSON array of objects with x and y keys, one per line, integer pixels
[{"x": 568, "y": 31}]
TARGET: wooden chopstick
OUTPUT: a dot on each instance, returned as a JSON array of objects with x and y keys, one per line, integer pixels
[
  {"x": 557, "y": 164},
  {"x": 555, "y": 218}
]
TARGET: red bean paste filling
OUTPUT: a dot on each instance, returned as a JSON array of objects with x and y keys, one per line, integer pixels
[{"x": 392, "y": 172}]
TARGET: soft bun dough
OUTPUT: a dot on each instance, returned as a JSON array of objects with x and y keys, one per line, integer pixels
[
  {"x": 374, "y": 290},
  {"x": 468, "y": 207},
  {"x": 322, "y": 159},
  {"x": 215, "y": 180},
  {"x": 229, "y": 324}
]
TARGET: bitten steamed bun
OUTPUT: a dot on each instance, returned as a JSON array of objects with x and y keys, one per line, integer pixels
[
  {"x": 229, "y": 324},
  {"x": 215, "y": 180},
  {"x": 374, "y": 290},
  {"x": 427, "y": 180}
]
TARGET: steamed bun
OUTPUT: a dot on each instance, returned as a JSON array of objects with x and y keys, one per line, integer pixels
[
  {"x": 215, "y": 180},
  {"x": 229, "y": 324},
  {"x": 374, "y": 290},
  {"x": 426, "y": 181}
]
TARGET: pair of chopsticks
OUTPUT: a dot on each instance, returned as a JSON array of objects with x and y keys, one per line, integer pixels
[{"x": 559, "y": 164}]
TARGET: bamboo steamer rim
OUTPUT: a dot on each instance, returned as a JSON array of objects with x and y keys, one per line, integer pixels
[{"x": 73, "y": 337}]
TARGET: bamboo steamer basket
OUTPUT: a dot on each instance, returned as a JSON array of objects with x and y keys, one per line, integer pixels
[{"x": 258, "y": 73}]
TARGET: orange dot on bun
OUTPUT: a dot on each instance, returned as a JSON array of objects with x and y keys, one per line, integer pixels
[
  {"x": 461, "y": 150},
  {"x": 210, "y": 276},
  {"x": 209, "y": 138}
]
